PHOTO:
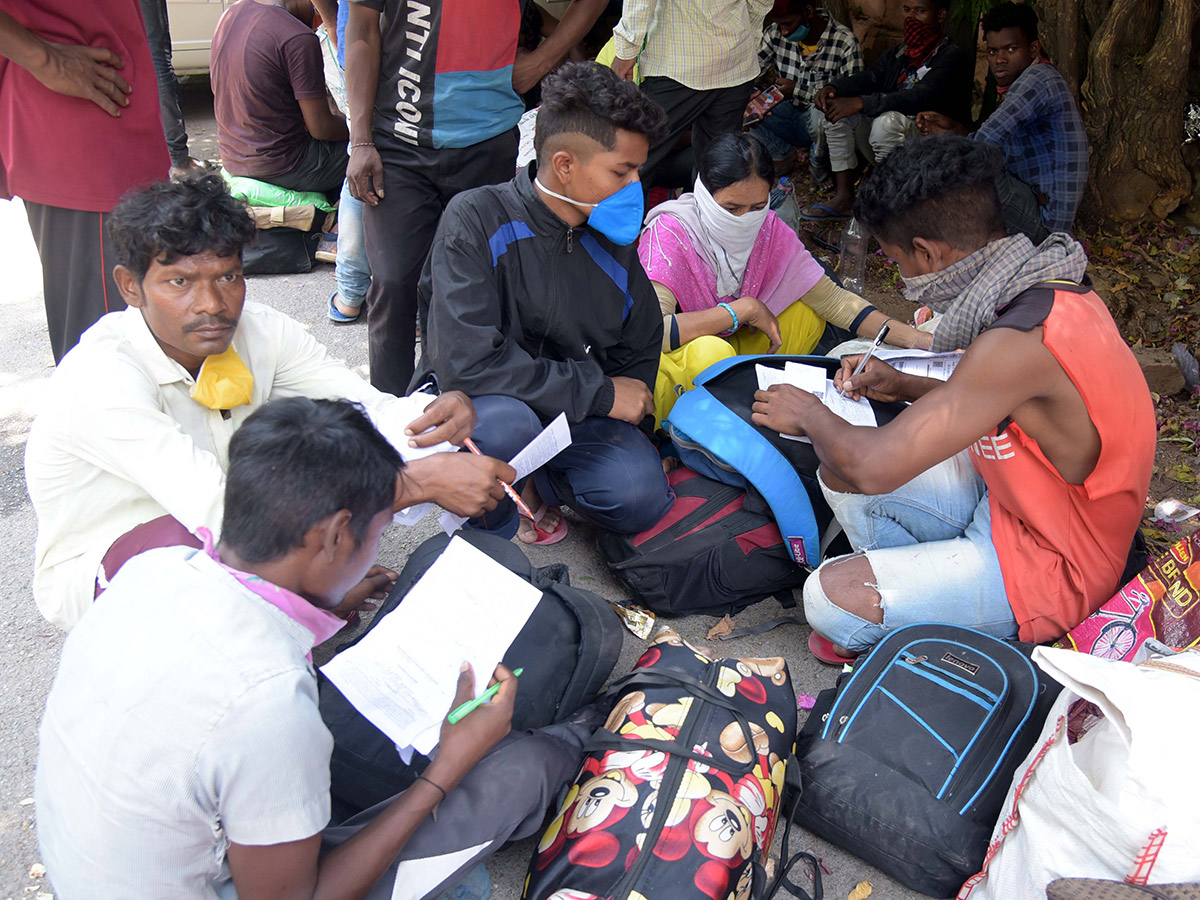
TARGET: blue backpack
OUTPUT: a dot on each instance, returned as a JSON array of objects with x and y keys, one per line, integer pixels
[{"x": 711, "y": 429}]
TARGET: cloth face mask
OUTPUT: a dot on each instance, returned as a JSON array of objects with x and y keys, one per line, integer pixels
[
  {"x": 224, "y": 381},
  {"x": 618, "y": 216},
  {"x": 799, "y": 34},
  {"x": 730, "y": 237}
]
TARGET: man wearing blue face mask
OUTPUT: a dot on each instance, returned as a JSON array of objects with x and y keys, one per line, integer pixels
[
  {"x": 808, "y": 50},
  {"x": 533, "y": 302}
]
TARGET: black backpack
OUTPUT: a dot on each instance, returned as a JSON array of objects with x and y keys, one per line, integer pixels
[
  {"x": 907, "y": 762},
  {"x": 716, "y": 551},
  {"x": 574, "y": 635}
]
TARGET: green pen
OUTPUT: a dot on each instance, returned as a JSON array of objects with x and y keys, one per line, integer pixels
[{"x": 456, "y": 715}]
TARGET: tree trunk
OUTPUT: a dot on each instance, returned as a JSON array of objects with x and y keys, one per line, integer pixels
[{"x": 1133, "y": 101}]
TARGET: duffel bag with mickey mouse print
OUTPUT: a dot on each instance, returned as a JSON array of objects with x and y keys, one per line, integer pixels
[{"x": 680, "y": 792}]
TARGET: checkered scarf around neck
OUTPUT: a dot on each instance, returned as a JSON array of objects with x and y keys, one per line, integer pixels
[{"x": 969, "y": 292}]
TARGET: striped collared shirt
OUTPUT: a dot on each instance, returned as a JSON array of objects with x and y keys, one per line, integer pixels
[{"x": 702, "y": 44}]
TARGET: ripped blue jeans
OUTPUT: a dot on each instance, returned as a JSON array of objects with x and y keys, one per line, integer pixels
[{"x": 930, "y": 546}]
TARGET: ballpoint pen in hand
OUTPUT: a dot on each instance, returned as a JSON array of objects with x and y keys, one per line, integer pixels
[
  {"x": 508, "y": 489},
  {"x": 458, "y": 712},
  {"x": 862, "y": 363}
]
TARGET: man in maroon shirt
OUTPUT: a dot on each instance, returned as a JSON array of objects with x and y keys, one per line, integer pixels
[
  {"x": 274, "y": 122},
  {"x": 79, "y": 127}
]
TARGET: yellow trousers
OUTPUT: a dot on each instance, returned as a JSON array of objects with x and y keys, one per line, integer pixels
[{"x": 799, "y": 327}]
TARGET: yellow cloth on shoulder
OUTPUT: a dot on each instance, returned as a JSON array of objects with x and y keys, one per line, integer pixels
[
  {"x": 224, "y": 382},
  {"x": 799, "y": 327}
]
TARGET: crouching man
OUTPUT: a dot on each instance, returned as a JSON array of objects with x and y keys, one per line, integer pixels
[
  {"x": 1006, "y": 498},
  {"x": 182, "y": 753}
]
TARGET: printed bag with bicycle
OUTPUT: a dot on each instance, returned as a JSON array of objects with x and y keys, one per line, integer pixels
[{"x": 1162, "y": 602}]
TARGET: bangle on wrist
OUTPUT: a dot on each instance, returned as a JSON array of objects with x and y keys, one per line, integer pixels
[
  {"x": 736, "y": 323},
  {"x": 439, "y": 788},
  {"x": 362, "y": 144}
]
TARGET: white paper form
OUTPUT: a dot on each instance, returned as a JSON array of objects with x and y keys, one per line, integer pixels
[
  {"x": 391, "y": 424},
  {"x": 553, "y": 440},
  {"x": 813, "y": 379},
  {"x": 922, "y": 363},
  {"x": 856, "y": 412},
  {"x": 403, "y": 674},
  {"x": 807, "y": 378}
]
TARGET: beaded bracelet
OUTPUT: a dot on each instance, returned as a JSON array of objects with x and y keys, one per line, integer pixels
[
  {"x": 736, "y": 323},
  {"x": 363, "y": 144}
]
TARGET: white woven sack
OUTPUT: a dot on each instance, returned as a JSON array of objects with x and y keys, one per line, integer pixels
[{"x": 1123, "y": 802}]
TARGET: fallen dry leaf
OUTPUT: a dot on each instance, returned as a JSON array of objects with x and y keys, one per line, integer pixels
[
  {"x": 861, "y": 891},
  {"x": 37, "y": 870},
  {"x": 725, "y": 626}
]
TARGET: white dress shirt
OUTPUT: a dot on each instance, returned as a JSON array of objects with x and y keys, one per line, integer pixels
[{"x": 119, "y": 441}]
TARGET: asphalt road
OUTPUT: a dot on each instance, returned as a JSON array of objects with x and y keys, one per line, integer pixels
[{"x": 31, "y": 646}]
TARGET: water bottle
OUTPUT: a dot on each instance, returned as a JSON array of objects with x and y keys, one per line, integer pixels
[
  {"x": 852, "y": 257},
  {"x": 783, "y": 201}
]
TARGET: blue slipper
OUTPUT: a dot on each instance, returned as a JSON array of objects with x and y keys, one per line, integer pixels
[
  {"x": 336, "y": 315},
  {"x": 831, "y": 214}
]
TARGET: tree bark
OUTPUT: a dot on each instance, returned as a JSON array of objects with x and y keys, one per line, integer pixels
[{"x": 1133, "y": 101}]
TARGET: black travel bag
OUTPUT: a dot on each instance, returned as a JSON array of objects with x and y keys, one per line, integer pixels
[
  {"x": 574, "y": 636},
  {"x": 907, "y": 761},
  {"x": 716, "y": 551}
]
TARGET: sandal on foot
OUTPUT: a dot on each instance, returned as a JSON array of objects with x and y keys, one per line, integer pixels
[
  {"x": 336, "y": 315},
  {"x": 822, "y": 648},
  {"x": 546, "y": 537},
  {"x": 828, "y": 213}
]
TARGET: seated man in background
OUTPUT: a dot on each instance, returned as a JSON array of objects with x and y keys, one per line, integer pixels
[
  {"x": 1006, "y": 498},
  {"x": 182, "y": 744},
  {"x": 809, "y": 50},
  {"x": 1037, "y": 125},
  {"x": 130, "y": 448},
  {"x": 875, "y": 111},
  {"x": 274, "y": 120},
  {"x": 534, "y": 303}
]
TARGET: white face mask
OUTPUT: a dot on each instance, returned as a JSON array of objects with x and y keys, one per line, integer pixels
[{"x": 731, "y": 238}]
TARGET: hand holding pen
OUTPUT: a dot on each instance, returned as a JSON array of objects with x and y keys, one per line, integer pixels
[
  {"x": 866, "y": 357},
  {"x": 508, "y": 488}
]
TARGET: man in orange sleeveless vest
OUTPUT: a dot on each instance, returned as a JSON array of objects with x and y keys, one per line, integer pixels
[{"x": 1004, "y": 499}]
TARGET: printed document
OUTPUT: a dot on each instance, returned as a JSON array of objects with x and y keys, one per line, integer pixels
[
  {"x": 403, "y": 675},
  {"x": 400, "y": 414},
  {"x": 813, "y": 379}
]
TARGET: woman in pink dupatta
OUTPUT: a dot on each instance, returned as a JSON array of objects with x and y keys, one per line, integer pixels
[{"x": 732, "y": 279}]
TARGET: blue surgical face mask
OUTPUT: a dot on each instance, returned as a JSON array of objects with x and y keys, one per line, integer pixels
[
  {"x": 799, "y": 34},
  {"x": 618, "y": 217}
]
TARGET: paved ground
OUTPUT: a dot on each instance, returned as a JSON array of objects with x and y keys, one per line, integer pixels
[{"x": 31, "y": 646}]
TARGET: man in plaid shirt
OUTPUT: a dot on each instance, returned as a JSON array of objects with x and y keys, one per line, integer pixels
[
  {"x": 809, "y": 50},
  {"x": 1037, "y": 125}
]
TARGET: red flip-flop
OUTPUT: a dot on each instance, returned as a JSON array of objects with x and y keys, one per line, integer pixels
[
  {"x": 822, "y": 648},
  {"x": 546, "y": 537}
]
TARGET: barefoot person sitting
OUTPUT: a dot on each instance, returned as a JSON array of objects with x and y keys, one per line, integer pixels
[
  {"x": 1006, "y": 498},
  {"x": 733, "y": 279},
  {"x": 533, "y": 302}
]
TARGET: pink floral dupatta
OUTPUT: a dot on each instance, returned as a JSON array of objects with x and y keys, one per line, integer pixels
[{"x": 779, "y": 271}]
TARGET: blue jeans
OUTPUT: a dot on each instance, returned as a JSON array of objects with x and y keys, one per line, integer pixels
[
  {"x": 352, "y": 270},
  {"x": 785, "y": 129},
  {"x": 611, "y": 474},
  {"x": 930, "y": 546}
]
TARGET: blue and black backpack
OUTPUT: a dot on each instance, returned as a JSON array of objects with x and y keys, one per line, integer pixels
[{"x": 710, "y": 427}]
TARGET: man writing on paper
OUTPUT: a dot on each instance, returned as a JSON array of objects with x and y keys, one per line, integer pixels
[
  {"x": 182, "y": 746},
  {"x": 534, "y": 303},
  {"x": 1005, "y": 498},
  {"x": 130, "y": 449}
]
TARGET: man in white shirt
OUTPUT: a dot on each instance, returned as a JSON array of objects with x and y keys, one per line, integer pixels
[
  {"x": 131, "y": 446},
  {"x": 182, "y": 752}
]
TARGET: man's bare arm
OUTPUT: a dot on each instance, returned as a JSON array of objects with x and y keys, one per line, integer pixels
[
  {"x": 327, "y": 10},
  {"x": 89, "y": 73},
  {"x": 363, "y": 47},
  {"x": 1001, "y": 371},
  {"x": 531, "y": 67}
]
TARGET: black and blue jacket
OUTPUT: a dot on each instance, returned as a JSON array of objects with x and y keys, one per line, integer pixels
[{"x": 514, "y": 301}]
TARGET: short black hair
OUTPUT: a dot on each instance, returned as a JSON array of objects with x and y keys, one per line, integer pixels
[
  {"x": 168, "y": 220},
  {"x": 297, "y": 461},
  {"x": 1012, "y": 15},
  {"x": 588, "y": 98},
  {"x": 734, "y": 157},
  {"x": 941, "y": 187}
]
